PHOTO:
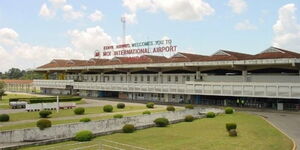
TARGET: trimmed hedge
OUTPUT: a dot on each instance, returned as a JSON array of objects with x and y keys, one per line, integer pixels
[
  {"x": 161, "y": 122},
  {"x": 118, "y": 116},
  {"x": 189, "y": 106},
  {"x": 45, "y": 113},
  {"x": 147, "y": 112},
  {"x": 189, "y": 118},
  {"x": 210, "y": 115},
  {"x": 46, "y": 99},
  {"x": 79, "y": 111},
  {"x": 228, "y": 110},
  {"x": 4, "y": 117},
  {"x": 128, "y": 128},
  {"x": 170, "y": 108},
  {"x": 230, "y": 126},
  {"x": 108, "y": 108},
  {"x": 43, "y": 123},
  {"x": 120, "y": 105},
  {"x": 85, "y": 120},
  {"x": 150, "y": 105},
  {"x": 84, "y": 135}
]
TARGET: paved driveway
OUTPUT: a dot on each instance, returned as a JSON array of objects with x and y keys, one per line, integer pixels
[{"x": 287, "y": 122}]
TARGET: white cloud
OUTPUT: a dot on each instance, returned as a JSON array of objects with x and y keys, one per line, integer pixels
[
  {"x": 58, "y": 3},
  {"x": 71, "y": 14},
  {"x": 130, "y": 18},
  {"x": 245, "y": 25},
  {"x": 193, "y": 10},
  {"x": 96, "y": 16},
  {"x": 237, "y": 6},
  {"x": 14, "y": 53},
  {"x": 90, "y": 39},
  {"x": 287, "y": 28},
  {"x": 46, "y": 12}
]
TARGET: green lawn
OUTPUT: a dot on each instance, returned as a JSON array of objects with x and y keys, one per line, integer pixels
[
  {"x": 254, "y": 133},
  {"x": 56, "y": 122}
]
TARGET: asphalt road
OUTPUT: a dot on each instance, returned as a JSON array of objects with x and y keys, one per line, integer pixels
[{"x": 287, "y": 122}]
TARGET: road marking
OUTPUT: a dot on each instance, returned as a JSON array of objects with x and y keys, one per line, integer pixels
[
  {"x": 124, "y": 144},
  {"x": 85, "y": 147},
  {"x": 65, "y": 145}
]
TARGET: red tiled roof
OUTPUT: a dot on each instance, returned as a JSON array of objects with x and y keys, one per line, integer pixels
[
  {"x": 221, "y": 55},
  {"x": 9, "y": 81},
  {"x": 273, "y": 52},
  {"x": 186, "y": 57}
]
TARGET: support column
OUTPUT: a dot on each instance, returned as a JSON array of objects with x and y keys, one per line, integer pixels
[
  {"x": 159, "y": 77},
  {"x": 198, "y": 75},
  {"x": 245, "y": 75},
  {"x": 128, "y": 79}
]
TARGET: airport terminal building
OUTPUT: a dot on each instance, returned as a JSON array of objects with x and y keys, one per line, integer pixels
[{"x": 270, "y": 79}]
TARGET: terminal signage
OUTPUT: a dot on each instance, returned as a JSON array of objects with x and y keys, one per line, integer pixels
[{"x": 139, "y": 48}]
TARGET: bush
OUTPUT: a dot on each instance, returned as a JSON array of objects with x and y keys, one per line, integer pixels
[
  {"x": 161, "y": 122},
  {"x": 228, "y": 110},
  {"x": 230, "y": 126},
  {"x": 146, "y": 112},
  {"x": 4, "y": 117},
  {"x": 120, "y": 105},
  {"x": 189, "y": 118},
  {"x": 150, "y": 105},
  {"x": 108, "y": 108},
  {"x": 85, "y": 120},
  {"x": 210, "y": 115},
  {"x": 232, "y": 132},
  {"x": 84, "y": 135},
  {"x": 128, "y": 128},
  {"x": 43, "y": 123},
  {"x": 170, "y": 108},
  {"x": 79, "y": 111},
  {"x": 45, "y": 113},
  {"x": 118, "y": 116},
  {"x": 189, "y": 106}
]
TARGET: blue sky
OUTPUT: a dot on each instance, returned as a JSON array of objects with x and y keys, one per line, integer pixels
[{"x": 34, "y": 32}]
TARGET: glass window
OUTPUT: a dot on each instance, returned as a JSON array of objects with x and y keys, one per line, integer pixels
[
  {"x": 188, "y": 78},
  {"x": 154, "y": 79},
  {"x": 169, "y": 78},
  {"x": 135, "y": 78},
  {"x": 176, "y": 78},
  {"x": 148, "y": 78},
  {"x": 121, "y": 78}
]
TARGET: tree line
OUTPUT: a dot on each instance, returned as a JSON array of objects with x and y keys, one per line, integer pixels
[{"x": 16, "y": 73}]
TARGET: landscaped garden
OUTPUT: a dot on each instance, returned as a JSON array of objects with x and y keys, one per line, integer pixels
[{"x": 210, "y": 133}]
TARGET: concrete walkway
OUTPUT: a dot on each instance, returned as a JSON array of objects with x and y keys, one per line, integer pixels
[{"x": 287, "y": 122}]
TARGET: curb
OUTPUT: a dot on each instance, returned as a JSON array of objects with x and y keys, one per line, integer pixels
[{"x": 293, "y": 141}]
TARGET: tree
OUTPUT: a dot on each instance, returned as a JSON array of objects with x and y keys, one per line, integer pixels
[
  {"x": 2, "y": 91},
  {"x": 15, "y": 73}
]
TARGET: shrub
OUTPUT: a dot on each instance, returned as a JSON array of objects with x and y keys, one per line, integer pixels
[
  {"x": 146, "y": 112},
  {"x": 228, "y": 110},
  {"x": 85, "y": 120},
  {"x": 108, "y": 108},
  {"x": 118, "y": 116},
  {"x": 161, "y": 122},
  {"x": 120, "y": 105},
  {"x": 150, "y": 105},
  {"x": 230, "y": 126},
  {"x": 189, "y": 118},
  {"x": 128, "y": 128},
  {"x": 232, "y": 132},
  {"x": 45, "y": 113},
  {"x": 43, "y": 123},
  {"x": 210, "y": 115},
  {"x": 189, "y": 106},
  {"x": 47, "y": 99},
  {"x": 79, "y": 111},
  {"x": 4, "y": 117},
  {"x": 170, "y": 108},
  {"x": 84, "y": 135}
]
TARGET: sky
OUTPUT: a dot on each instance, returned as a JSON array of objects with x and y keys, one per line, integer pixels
[{"x": 34, "y": 32}]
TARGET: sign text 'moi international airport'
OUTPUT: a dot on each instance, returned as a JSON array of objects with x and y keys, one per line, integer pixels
[{"x": 147, "y": 47}]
